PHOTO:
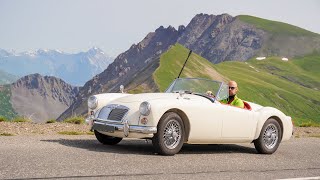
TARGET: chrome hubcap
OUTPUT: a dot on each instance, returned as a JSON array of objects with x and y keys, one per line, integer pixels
[
  {"x": 270, "y": 136},
  {"x": 172, "y": 134}
]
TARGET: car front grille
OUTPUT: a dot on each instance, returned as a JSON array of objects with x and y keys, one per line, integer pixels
[
  {"x": 113, "y": 112},
  {"x": 117, "y": 114}
]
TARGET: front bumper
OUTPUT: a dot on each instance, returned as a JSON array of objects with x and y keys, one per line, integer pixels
[{"x": 112, "y": 127}]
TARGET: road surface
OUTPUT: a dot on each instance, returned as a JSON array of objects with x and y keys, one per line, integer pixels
[{"x": 83, "y": 157}]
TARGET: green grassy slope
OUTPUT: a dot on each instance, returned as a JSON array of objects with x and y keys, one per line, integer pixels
[
  {"x": 275, "y": 27},
  {"x": 172, "y": 61},
  {"x": 6, "y": 109},
  {"x": 293, "y": 86},
  {"x": 273, "y": 82},
  {"x": 283, "y": 39}
]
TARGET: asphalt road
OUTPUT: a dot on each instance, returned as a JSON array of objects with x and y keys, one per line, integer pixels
[{"x": 83, "y": 157}]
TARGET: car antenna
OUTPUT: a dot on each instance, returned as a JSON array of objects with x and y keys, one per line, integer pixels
[{"x": 185, "y": 63}]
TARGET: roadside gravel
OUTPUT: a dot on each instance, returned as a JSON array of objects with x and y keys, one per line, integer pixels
[{"x": 29, "y": 128}]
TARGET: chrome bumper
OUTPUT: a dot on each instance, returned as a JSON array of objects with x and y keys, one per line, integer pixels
[{"x": 125, "y": 128}]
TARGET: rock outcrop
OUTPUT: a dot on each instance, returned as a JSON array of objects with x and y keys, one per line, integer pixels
[{"x": 41, "y": 98}]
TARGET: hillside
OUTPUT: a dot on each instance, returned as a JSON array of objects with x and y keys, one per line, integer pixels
[
  {"x": 36, "y": 97},
  {"x": 273, "y": 82},
  {"x": 6, "y": 109},
  {"x": 217, "y": 38},
  {"x": 126, "y": 67},
  {"x": 6, "y": 78},
  {"x": 283, "y": 39},
  {"x": 220, "y": 38},
  {"x": 275, "y": 27},
  {"x": 291, "y": 86},
  {"x": 172, "y": 61}
]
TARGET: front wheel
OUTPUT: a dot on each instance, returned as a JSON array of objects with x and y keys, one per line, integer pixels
[
  {"x": 270, "y": 137},
  {"x": 170, "y": 134},
  {"x": 108, "y": 140}
]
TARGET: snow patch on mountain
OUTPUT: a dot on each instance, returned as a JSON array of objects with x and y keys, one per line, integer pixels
[{"x": 75, "y": 69}]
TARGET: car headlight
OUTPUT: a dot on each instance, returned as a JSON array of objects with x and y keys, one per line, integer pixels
[
  {"x": 92, "y": 102},
  {"x": 145, "y": 108}
]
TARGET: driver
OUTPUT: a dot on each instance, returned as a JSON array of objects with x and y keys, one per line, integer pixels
[{"x": 233, "y": 99}]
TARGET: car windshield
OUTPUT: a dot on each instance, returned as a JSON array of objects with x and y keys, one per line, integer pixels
[{"x": 199, "y": 86}]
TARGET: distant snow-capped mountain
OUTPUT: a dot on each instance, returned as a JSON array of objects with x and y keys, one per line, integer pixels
[{"x": 75, "y": 69}]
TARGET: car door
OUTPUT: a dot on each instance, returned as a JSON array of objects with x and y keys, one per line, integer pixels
[
  {"x": 237, "y": 123},
  {"x": 205, "y": 127}
]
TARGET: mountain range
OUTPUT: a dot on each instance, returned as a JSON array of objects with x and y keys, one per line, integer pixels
[
  {"x": 75, "y": 69},
  {"x": 216, "y": 38},
  {"x": 224, "y": 48},
  {"x": 289, "y": 85},
  {"x": 36, "y": 97}
]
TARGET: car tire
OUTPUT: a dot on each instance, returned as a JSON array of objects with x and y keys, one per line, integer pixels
[
  {"x": 169, "y": 138},
  {"x": 105, "y": 139},
  {"x": 269, "y": 138}
]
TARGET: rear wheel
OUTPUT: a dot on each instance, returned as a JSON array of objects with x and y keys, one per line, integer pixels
[
  {"x": 270, "y": 137},
  {"x": 170, "y": 134},
  {"x": 105, "y": 139}
]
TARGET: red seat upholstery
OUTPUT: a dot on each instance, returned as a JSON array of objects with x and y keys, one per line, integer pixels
[{"x": 247, "y": 106}]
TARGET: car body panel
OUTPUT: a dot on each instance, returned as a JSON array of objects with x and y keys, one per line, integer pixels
[{"x": 206, "y": 121}]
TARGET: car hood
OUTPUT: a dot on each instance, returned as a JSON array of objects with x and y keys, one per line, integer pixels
[{"x": 145, "y": 97}]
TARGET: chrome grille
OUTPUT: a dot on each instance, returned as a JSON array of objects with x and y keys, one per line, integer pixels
[
  {"x": 117, "y": 114},
  {"x": 113, "y": 112},
  {"x": 104, "y": 113}
]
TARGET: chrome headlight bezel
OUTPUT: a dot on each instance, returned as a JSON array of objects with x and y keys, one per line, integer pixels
[
  {"x": 96, "y": 114},
  {"x": 92, "y": 102},
  {"x": 145, "y": 108}
]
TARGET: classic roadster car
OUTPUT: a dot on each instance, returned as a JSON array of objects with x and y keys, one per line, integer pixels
[{"x": 184, "y": 113}]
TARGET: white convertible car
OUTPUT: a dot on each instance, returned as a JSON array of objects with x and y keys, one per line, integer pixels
[{"x": 186, "y": 114}]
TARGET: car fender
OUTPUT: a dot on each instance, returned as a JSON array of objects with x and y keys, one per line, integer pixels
[
  {"x": 106, "y": 98},
  {"x": 265, "y": 113},
  {"x": 161, "y": 106}
]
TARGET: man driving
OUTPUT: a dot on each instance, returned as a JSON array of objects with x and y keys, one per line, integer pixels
[{"x": 233, "y": 99}]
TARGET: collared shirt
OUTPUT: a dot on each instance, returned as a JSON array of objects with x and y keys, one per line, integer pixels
[{"x": 236, "y": 102}]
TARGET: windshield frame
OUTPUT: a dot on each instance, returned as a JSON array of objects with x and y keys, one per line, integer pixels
[{"x": 221, "y": 84}]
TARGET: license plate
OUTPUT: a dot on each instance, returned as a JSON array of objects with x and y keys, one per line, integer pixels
[{"x": 105, "y": 128}]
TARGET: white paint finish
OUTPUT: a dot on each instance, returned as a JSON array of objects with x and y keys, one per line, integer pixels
[
  {"x": 209, "y": 122},
  {"x": 238, "y": 123},
  {"x": 105, "y": 98}
]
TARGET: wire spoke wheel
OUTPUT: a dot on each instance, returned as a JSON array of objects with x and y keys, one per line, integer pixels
[
  {"x": 172, "y": 134},
  {"x": 270, "y": 136}
]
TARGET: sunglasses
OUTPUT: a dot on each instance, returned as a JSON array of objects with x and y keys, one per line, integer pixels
[{"x": 232, "y": 88}]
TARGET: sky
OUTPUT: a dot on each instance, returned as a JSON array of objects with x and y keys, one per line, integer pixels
[{"x": 114, "y": 25}]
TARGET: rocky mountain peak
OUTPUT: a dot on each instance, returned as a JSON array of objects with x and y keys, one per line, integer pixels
[
  {"x": 42, "y": 97},
  {"x": 95, "y": 50},
  {"x": 181, "y": 29},
  {"x": 215, "y": 37},
  {"x": 48, "y": 86},
  {"x": 127, "y": 64}
]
